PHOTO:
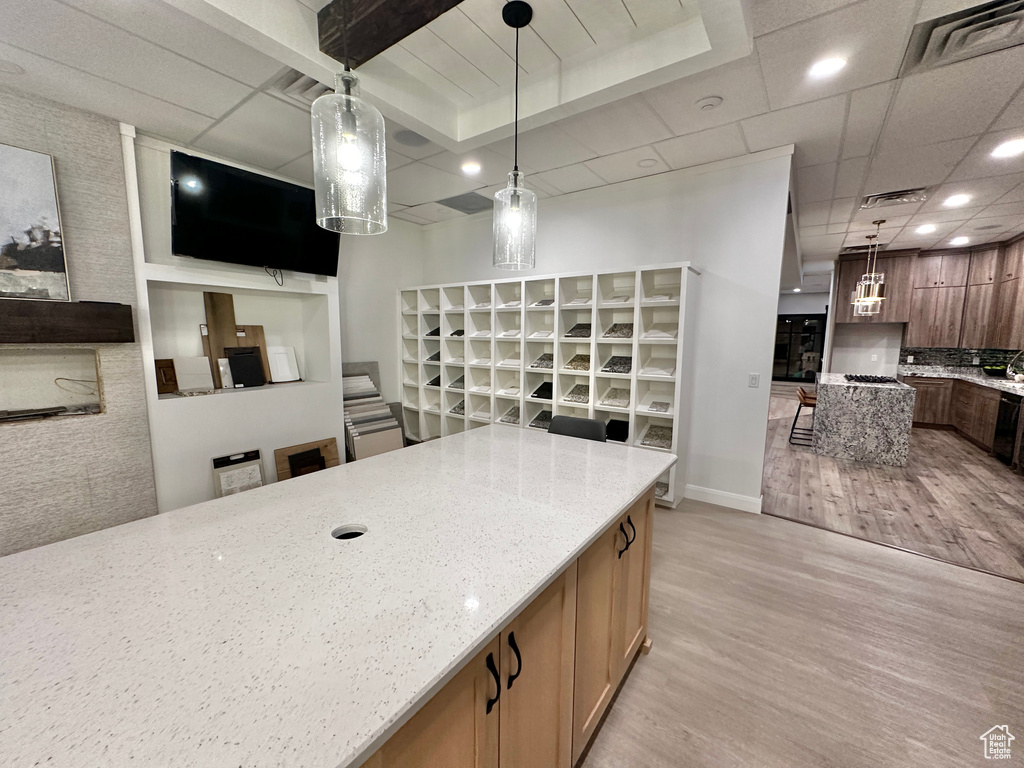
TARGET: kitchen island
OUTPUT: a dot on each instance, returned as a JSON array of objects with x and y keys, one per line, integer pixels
[
  {"x": 863, "y": 421},
  {"x": 239, "y": 632}
]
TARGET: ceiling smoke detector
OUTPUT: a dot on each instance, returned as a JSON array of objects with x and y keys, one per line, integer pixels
[
  {"x": 985, "y": 28},
  {"x": 899, "y": 197},
  {"x": 709, "y": 102}
]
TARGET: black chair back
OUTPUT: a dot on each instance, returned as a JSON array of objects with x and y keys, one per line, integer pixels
[{"x": 588, "y": 429}]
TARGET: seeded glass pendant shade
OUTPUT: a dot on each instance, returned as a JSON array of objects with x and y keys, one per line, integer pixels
[
  {"x": 349, "y": 162},
  {"x": 515, "y": 207},
  {"x": 870, "y": 293}
]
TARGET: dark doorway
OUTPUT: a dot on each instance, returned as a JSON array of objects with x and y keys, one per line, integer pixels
[{"x": 799, "y": 343}]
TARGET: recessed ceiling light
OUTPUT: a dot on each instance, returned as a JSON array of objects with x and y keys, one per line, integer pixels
[
  {"x": 827, "y": 67},
  {"x": 925, "y": 229},
  {"x": 955, "y": 201},
  {"x": 647, "y": 162},
  {"x": 796, "y": 290},
  {"x": 1010, "y": 148},
  {"x": 471, "y": 168},
  {"x": 10, "y": 68},
  {"x": 960, "y": 240}
]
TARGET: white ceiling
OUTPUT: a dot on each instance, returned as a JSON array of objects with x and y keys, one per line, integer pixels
[{"x": 863, "y": 131}]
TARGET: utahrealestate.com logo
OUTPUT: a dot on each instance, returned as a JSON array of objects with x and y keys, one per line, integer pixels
[{"x": 997, "y": 742}]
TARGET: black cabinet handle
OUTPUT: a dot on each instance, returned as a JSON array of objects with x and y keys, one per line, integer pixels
[
  {"x": 626, "y": 537},
  {"x": 519, "y": 658},
  {"x": 630, "y": 521},
  {"x": 497, "y": 682}
]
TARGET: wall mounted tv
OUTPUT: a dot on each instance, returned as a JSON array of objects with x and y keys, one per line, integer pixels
[{"x": 220, "y": 213}]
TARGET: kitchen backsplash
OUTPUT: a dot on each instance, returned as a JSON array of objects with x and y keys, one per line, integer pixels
[{"x": 956, "y": 357}]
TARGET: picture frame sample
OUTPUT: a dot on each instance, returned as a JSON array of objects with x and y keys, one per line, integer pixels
[{"x": 32, "y": 259}]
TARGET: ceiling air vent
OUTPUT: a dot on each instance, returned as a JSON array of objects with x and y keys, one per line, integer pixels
[
  {"x": 860, "y": 248},
  {"x": 298, "y": 88},
  {"x": 470, "y": 202},
  {"x": 962, "y": 35},
  {"x": 918, "y": 195}
]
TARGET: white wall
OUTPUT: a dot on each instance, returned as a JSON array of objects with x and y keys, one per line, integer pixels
[
  {"x": 803, "y": 303},
  {"x": 854, "y": 346},
  {"x": 728, "y": 218}
]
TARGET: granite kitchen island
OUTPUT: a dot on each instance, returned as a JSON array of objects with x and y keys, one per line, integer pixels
[
  {"x": 239, "y": 632},
  {"x": 863, "y": 421}
]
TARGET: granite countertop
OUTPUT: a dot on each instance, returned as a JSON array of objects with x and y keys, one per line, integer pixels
[
  {"x": 239, "y": 632},
  {"x": 972, "y": 375},
  {"x": 838, "y": 379}
]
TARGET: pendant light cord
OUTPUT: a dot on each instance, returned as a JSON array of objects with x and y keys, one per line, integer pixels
[{"x": 515, "y": 159}]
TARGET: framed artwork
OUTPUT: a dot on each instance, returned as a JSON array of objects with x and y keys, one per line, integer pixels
[{"x": 32, "y": 264}]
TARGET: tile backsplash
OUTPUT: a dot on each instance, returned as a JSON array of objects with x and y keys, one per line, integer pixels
[{"x": 956, "y": 357}]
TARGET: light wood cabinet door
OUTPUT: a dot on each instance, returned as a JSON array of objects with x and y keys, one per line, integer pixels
[
  {"x": 596, "y": 663},
  {"x": 1008, "y": 310},
  {"x": 949, "y": 315},
  {"x": 898, "y": 284},
  {"x": 927, "y": 270},
  {"x": 979, "y": 315},
  {"x": 537, "y": 662},
  {"x": 633, "y": 586},
  {"x": 984, "y": 267},
  {"x": 922, "y": 315},
  {"x": 932, "y": 400},
  {"x": 1012, "y": 266},
  {"x": 954, "y": 269},
  {"x": 986, "y": 413},
  {"x": 454, "y": 729}
]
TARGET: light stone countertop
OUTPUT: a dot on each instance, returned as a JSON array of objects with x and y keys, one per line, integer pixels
[
  {"x": 238, "y": 632},
  {"x": 970, "y": 375},
  {"x": 839, "y": 379}
]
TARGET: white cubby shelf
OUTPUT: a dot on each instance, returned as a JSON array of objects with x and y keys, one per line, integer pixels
[{"x": 495, "y": 356}]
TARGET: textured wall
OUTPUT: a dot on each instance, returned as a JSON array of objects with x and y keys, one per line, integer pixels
[{"x": 65, "y": 477}]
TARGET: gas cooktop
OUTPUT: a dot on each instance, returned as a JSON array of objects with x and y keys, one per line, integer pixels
[{"x": 864, "y": 379}]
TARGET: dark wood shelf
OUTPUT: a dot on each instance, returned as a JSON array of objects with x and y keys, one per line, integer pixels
[{"x": 65, "y": 322}]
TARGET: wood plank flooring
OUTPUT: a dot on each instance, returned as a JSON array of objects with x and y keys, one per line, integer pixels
[
  {"x": 952, "y": 500},
  {"x": 777, "y": 645}
]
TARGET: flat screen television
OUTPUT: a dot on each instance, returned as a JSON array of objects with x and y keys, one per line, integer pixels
[{"x": 220, "y": 213}]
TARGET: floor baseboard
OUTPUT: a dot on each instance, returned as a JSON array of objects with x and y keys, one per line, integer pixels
[{"x": 724, "y": 498}]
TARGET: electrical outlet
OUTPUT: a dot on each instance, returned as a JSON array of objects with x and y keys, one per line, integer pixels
[
  {"x": 754, "y": 380},
  {"x": 874, "y": 358},
  {"x": 977, "y": 360},
  {"x": 910, "y": 359}
]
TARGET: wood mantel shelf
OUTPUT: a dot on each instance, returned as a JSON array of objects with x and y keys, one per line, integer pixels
[{"x": 65, "y": 322}]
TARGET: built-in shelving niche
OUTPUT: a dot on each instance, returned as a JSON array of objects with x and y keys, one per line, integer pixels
[
  {"x": 489, "y": 374},
  {"x": 37, "y": 383}
]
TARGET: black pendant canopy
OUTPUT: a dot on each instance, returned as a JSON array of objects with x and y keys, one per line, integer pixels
[{"x": 517, "y": 13}]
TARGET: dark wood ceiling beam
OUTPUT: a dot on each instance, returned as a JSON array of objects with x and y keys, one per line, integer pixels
[{"x": 375, "y": 25}]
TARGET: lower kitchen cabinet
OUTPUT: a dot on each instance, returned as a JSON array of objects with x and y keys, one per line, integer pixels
[
  {"x": 975, "y": 410},
  {"x": 536, "y": 694},
  {"x": 932, "y": 401}
]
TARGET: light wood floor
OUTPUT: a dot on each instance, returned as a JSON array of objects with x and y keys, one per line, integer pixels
[
  {"x": 952, "y": 501},
  {"x": 777, "y": 645}
]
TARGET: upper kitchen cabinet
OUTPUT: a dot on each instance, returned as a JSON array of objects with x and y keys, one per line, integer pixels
[
  {"x": 984, "y": 267},
  {"x": 1013, "y": 256},
  {"x": 898, "y": 270},
  {"x": 936, "y": 270}
]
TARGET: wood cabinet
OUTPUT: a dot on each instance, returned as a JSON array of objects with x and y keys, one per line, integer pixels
[
  {"x": 932, "y": 400},
  {"x": 949, "y": 268},
  {"x": 537, "y": 652},
  {"x": 896, "y": 308},
  {"x": 1013, "y": 256},
  {"x": 536, "y": 694},
  {"x": 454, "y": 729},
  {"x": 1008, "y": 322},
  {"x": 936, "y": 316},
  {"x": 984, "y": 267},
  {"x": 975, "y": 410},
  {"x": 978, "y": 327}
]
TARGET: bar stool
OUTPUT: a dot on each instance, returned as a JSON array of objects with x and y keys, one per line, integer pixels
[{"x": 803, "y": 435}]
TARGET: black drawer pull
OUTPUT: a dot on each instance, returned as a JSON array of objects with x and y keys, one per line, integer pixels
[
  {"x": 630, "y": 521},
  {"x": 626, "y": 537},
  {"x": 519, "y": 659},
  {"x": 497, "y": 682}
]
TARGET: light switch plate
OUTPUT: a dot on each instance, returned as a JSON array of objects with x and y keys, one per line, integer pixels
[{"x": 754, "y": 380}]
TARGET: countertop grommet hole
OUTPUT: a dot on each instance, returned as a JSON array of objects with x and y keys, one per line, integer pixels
[{"x": 352, "y": 531}]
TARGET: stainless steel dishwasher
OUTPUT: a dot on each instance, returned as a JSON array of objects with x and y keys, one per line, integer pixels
[{"x": 1006, "y": 427}]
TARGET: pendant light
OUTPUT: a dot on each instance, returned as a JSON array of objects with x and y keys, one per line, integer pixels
[
  {"x": 515, "y": 207},
  {"x": 870, "y": 293},
  {"x": 349, "y": 160}
]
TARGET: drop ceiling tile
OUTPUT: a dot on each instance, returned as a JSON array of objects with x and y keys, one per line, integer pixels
[
  {"x": 814, "y": 183},
  {"x": 981, "y": 191},
  {"x": 851, "y": 176},
  {"x": 915, "y": 166},
  {"x": 494, "y": 168},
  {"x": 395, "y": 159},
  {"x": 620, "y": 125},
  {"x": 74, "y": 38},
  {"x": 738, "y": 83},
  {"x": 1014, "y": 195},
  {"x": 626, "y": 165},
  {"x": 770, "y": 15},
  {"x": 571, "y": 178},
  {"x": 813, "y": 214},
  {"x": 943, "y": 215},
  {"x": 868, "y": 108},
  {"x": 417, "y": 151},
  {"x": 980, "y": 163},
  {"x": 821, "y": 246},
  {"x": 990, "y": 226},
  {"x": 1013, "y": 116},
  {"x": 406, "y": 216},
  {"x": 542, "y": 191},
  {"x": 815, "y": 231},
  {"x": 816, "y": 129},
  {"x": 433, "y": 212},
  {"x": 837, "y": 229},
  {"x": 1003, "y": 209},
  {"x": 300, "y": 169},
  {"x": 263, "y": 131},
  {"x": 853, "y": 239},
  {"x": 954, "y": 101},
  {"x": 891, "y": 222},
  {"x": 418, "y": 183},
  {"x": 842, "y": 210},
  {"x": 545, "y": 148},
  {"x": 49, "y": 79},
  {"x": 160, "y": 23},
  {"x": 703, "y": 147},
  {"x": 910, "y": 237},
  {"x": 871, "y": 35}
]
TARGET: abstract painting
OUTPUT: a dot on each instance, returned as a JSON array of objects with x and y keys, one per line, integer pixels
[{"x": 32, "y": 264}]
